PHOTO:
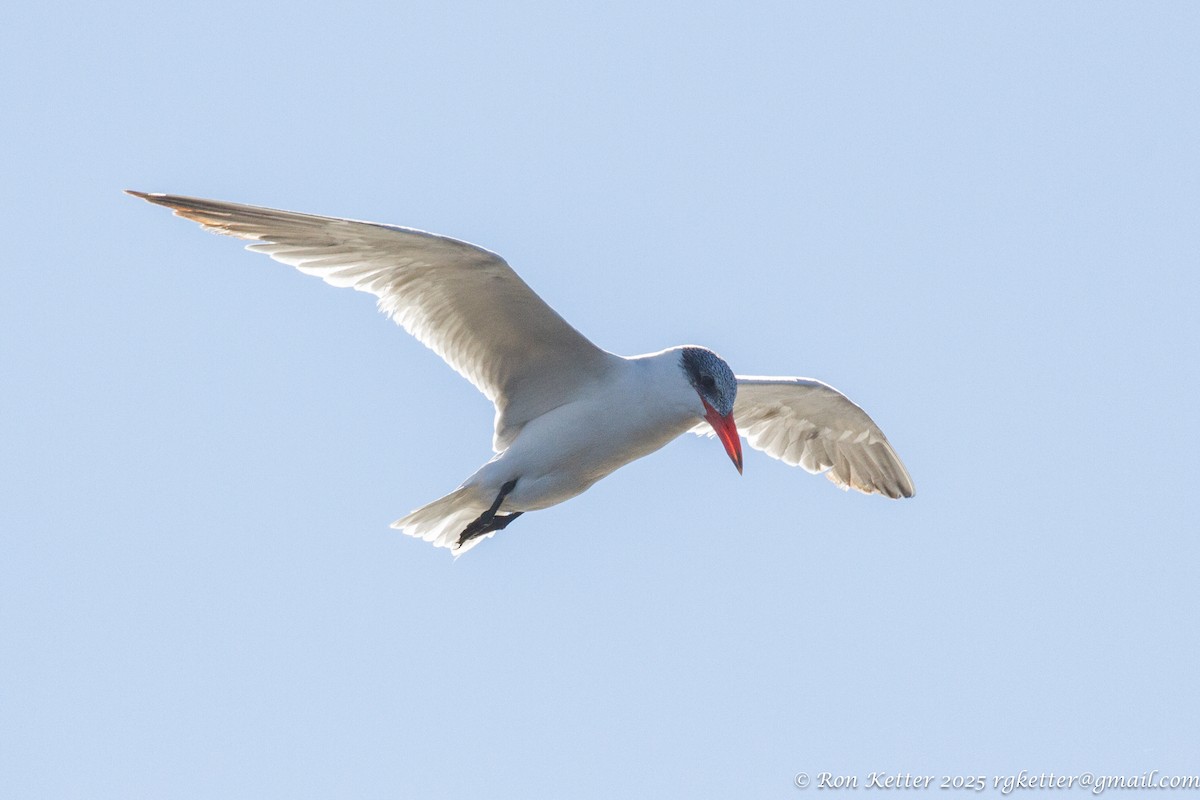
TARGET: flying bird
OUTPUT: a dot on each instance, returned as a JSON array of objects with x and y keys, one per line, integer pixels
[{"x": 567, "y": 412}]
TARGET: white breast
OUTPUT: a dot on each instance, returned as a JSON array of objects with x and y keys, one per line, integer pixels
[{"x": 644, "y": 405}]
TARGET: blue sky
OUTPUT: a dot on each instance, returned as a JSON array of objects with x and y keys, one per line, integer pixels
[{"x": 978, "y": 220}]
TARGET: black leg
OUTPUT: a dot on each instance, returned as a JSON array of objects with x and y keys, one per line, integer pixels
[
  {"x": 489, "y": 521},
  {"x": 500, "y": 521}
]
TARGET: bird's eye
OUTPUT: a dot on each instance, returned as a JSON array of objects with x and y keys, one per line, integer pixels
[{"x": 707, "y": 381}]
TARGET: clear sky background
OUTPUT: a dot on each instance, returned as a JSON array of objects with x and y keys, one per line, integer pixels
[{"x": 979, "y": 220}]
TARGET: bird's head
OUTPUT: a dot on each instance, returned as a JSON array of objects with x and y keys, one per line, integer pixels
[{"x": 716, "y": 386}]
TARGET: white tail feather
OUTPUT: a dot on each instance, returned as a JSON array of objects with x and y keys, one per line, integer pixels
[{"x": 443, "y": 521}]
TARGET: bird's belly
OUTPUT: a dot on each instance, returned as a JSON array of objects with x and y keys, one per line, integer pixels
[{"x": 562, "y": 453}]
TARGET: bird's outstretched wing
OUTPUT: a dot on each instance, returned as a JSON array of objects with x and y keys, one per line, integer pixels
[
  {"x": 463, "y": 302},
  {"x": 807, "y": 423}
]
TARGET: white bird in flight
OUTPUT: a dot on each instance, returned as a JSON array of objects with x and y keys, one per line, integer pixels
[{"x": 567, "y": 412}]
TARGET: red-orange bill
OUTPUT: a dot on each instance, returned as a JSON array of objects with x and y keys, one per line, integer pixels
[{"x": 727, "y": 432}]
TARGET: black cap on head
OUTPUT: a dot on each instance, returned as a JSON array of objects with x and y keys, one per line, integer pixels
[{"x": 711, "y": 377}]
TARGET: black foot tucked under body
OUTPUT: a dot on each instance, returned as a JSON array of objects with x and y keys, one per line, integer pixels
[{"x": 489, "y": 520}]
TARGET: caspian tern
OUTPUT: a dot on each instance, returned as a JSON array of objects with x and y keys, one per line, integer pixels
[{"x": 555, "y": 430}]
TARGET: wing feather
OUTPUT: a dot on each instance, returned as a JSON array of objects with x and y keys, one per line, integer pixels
[
  {"x": 463, "y": 302},
  {"x": 810, "y": 424}
]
